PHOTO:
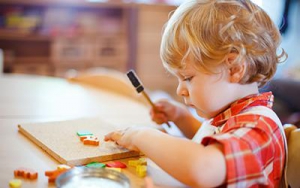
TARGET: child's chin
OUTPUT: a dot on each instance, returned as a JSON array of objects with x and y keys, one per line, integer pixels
[{"x": 203, "y": 115}]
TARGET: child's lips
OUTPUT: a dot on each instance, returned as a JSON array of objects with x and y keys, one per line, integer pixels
[{"x": 190, "y": 105}]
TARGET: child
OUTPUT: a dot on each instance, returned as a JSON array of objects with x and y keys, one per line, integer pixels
[{"x": 221, "y": 51}]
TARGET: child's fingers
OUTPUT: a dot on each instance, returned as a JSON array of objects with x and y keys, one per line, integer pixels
[
  {"x": 148, "y": 182},
  {"x": 158, "y": 107},
  {"x": 159, "y": 114},
  {"x": 108, "y": 137},
  {"x": 159, "y": 121},
  {"x": 113, "y": 136},
  {"x": 159, "y": 118},
  {"x": 157, "y": 110}
]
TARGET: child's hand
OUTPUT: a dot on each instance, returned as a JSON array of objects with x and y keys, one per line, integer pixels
[
  {"x": 149, "y": 182},
  {"x": 126, "y": 137},
  {"x": 165, "y": 111}
]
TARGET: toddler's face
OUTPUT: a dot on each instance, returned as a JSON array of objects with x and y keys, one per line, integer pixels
[{"x": 208, "y": 93}]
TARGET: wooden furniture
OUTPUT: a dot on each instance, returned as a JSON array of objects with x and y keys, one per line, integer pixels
[
  {"x": 293, "y": 166},
  {"x": 108, "y": 79},
  {"x": 149, "y": 66},
  {"x": 25, "y": 99},
  {"x": 50, "y": 37}
]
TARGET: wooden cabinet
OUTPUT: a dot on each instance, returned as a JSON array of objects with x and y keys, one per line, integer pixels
[
  {"x": 50, "y": 37},
  {"x": 151, "y": 20}
]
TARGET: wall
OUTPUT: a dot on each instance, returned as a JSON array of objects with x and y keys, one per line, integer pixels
[
  {"x": 291, "y": 41},
  {"x": 291, "y": 38}
]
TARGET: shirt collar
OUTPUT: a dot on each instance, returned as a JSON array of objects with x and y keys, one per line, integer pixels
[{"x": 263, "y": 99}]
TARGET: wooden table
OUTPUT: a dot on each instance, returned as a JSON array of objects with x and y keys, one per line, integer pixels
[{"x": 26, "y": 99}]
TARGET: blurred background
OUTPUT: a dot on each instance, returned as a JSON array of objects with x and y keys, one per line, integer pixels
[{"x": 62, "y": 38}]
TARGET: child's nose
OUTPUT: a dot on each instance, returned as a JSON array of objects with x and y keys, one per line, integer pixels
[{"x": 182, "y": 91}]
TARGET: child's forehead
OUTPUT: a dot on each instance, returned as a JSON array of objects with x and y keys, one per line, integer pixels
[{"x": 185, "y": 68}]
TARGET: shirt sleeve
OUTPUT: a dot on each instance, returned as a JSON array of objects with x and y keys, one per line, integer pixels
[{"x": 248, "y": 150}]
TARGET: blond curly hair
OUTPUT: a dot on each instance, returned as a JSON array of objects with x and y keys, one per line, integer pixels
[{"x": 208, "y": 30}]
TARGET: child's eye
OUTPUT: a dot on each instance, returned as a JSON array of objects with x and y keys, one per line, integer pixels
[{"x": 188, "y": 79}]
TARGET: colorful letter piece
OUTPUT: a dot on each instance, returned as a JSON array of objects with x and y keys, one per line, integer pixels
[
  {"x": 84, "y": 133},
  {"x": 87, "y": 138},
  {"x": 26, "y": 173},
  {"x": 15, "y": 183},
  {"x": 95, "y": 165},
  {"x": 82, "y": 138},
  {"x": 135, "y": 163},
  {"x": 52, "y": 175},
  {"x": 116, "y": 164},
  {"x": 140, "y": 166},
  {"x": 90, "y": 140},
  {"x": 141, "y": 170}
]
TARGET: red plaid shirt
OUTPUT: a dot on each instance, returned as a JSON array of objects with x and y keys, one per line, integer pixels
[{"x": 253, "y": 144}]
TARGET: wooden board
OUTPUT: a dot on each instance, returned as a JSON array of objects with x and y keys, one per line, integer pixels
[{"x": 60, "y": 140}]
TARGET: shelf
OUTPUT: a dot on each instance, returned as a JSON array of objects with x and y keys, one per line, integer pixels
[
  {"x": 32, "y": 60},
  {"x": 70, "y": 3},
  {"x": 61, "y": 35},
  {"x": 86, "y": 3},
  {"x": 21, "y": 36}
]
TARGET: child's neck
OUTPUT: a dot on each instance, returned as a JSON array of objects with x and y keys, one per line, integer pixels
[{"x": 247, "y": 89}]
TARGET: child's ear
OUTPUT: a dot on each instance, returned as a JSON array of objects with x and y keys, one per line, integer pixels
[{"x": 236, "y": 69}]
